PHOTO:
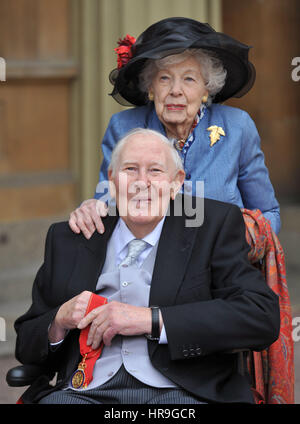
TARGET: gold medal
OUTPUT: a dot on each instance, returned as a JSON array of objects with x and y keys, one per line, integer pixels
[
  {"x": 78, "y": 377},
  {"x": 83, "y": 375}
]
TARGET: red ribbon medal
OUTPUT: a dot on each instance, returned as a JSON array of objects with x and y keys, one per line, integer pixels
[{"x": 84, "y": 373}]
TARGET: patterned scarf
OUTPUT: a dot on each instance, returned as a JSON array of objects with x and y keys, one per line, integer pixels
[{"x": 272, "y": 370}]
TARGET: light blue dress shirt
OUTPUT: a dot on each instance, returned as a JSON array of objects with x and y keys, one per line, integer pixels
[{"x": 233, "y": 169}]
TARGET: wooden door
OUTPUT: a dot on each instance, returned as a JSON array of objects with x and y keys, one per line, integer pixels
[
  {"x": 36, "y": 178},
  {"x": 272, "y": 28}
]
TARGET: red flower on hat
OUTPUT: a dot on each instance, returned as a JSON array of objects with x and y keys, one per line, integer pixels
[{"x": 124, "y": 50}]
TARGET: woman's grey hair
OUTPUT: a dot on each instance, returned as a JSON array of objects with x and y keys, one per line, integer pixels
[
  {"x": 212, "y": 70},
  {"x": 115, "y": 156}
]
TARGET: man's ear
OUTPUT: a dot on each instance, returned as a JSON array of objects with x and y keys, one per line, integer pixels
[
  {"x": 177, "y": 183},
  {"x": 111, "y": 184}
]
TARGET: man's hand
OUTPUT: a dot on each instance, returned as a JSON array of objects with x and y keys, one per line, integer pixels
[
  {"x": 87, "y": 218},
  {"x": 116, "y": 318},
  {"x": 68, "y": 316}
]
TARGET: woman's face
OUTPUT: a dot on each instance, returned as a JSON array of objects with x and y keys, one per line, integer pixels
[{"x": 178, "y": 90}]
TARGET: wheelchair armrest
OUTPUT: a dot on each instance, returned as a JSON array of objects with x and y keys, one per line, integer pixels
[
  {"x": 237, "y": 351},
  {"x": 241, "y": 356},
  {"x": 24, "y": 375}
]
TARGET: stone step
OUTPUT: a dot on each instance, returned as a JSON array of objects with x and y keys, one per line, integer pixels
[
  {"x": 21, "y": 254},
  {"x": 10, "y": 311},
  {"x": 22, "y": 242},
  {"x": 16, "y": 286},
  {"x": 17, "y": 282}
]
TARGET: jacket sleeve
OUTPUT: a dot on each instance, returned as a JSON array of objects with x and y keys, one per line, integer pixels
[
  {"x": 243, "y": 312},
  {"x": 110, "y": 139},
  {"x": 111, "y": 136},
  {"x": 253, "y": 181}
]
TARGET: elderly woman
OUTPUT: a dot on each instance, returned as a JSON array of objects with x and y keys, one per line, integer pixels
[{"x": 177, "y": 74}]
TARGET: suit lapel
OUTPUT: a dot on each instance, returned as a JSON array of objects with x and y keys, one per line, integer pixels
[{"x": 173, "y": 253}]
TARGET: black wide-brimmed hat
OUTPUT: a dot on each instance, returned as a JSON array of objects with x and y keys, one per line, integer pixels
[{"x": 174, "y": 35}]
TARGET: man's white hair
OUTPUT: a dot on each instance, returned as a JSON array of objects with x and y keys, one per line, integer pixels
[{"x": 115, "y": 156}]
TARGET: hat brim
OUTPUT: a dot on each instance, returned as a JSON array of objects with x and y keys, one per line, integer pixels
[{"x": 233, "y": 54}]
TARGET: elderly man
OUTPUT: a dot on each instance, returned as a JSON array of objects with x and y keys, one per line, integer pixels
[{"x": 179, "y": 299}]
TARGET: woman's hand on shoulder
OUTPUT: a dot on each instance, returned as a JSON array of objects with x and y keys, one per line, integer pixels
[{"x": 87, "y": 217}]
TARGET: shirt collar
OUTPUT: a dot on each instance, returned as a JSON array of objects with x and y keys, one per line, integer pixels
[{"x": 123, "y": 235}]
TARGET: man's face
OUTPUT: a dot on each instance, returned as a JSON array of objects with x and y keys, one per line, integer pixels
[{"x": 145, "y": 179}]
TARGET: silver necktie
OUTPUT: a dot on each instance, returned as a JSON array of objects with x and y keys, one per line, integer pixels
[{"x": 135, "y": 248}]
